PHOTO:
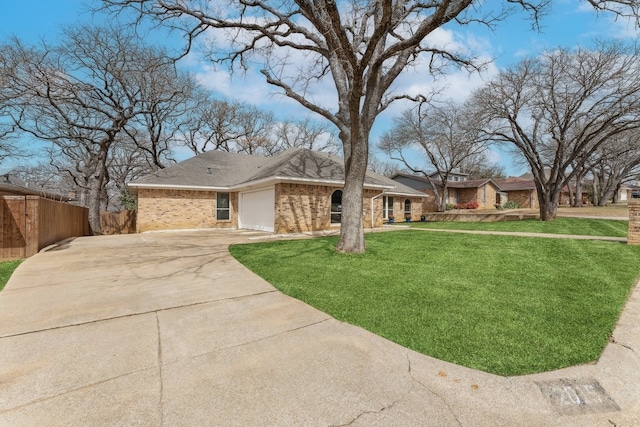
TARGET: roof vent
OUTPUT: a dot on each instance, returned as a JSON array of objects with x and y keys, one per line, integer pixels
[{"x": 208, "y": 171}]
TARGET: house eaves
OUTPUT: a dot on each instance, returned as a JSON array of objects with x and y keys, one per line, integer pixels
[
  {"x": 299, "y": 180},
  {"x": 261, "y": 183},
  {"x": 135, "y": 186},
  {"x": 406, "y": 194}
]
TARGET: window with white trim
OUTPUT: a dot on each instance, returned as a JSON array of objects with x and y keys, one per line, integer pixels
[
  {"x": 387, "y": 208},
  {"x": 222, "y": 207},
  {"x": 407, "y": 208},
  {"x": 336, "y": 207}
]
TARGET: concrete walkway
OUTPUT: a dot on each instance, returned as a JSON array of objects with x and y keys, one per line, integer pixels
[{"x": 166, "y": 329}]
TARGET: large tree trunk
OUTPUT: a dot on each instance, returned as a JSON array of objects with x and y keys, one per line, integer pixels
[
  {"x": 95, "y": 191},
  {"x": 548, "y": 201},
  {"x": 578, "y": 195},
  {"x": 444, "y": 198},
  {"x": 607, "y": 194},
  {"x": 351, "y": 225}
]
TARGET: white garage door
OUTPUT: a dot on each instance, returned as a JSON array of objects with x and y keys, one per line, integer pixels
[{"x": 256, "y": 210}]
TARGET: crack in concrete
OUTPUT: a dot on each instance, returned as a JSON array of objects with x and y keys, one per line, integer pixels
[
  {"x": 218, "y": 350},
  {"x": 613, "y": 340},
  {"x": 160, "y": 377},
  {"x": 430, "y": 390},
  {"x": 124, "y": 316},
  {"x": 363, "y": 413},
  {"x": 73, "y": 390}
]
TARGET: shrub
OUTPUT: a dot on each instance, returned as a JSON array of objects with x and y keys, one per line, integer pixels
[
  {"x": 510, "y": 205},
  {"x": 450, "y": 206},
  {"x": 468, "y": 205}
]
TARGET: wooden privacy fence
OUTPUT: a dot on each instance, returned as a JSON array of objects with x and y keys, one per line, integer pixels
[
  {"x": 123, "y": 222},
  {"x": 30, "y": 223}
]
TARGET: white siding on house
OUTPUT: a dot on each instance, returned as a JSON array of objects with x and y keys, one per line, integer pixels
[{"x": 256, "y": 210}]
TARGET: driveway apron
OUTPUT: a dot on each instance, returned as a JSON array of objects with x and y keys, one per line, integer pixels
[{"x": 167, "y": 329}]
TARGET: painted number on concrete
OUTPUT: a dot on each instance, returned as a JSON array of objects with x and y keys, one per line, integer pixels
[{"x": 577, "y": 396}]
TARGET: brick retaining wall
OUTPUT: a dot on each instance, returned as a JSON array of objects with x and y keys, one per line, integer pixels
[{"x": 633, "y": 235}]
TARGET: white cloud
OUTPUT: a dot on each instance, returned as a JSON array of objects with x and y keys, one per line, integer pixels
[{"x": 251, "y": 87}]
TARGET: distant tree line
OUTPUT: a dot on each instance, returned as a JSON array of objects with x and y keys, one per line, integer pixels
[
  {"x": 111, "y": 108},
  {"x": 568, "y": 114}
]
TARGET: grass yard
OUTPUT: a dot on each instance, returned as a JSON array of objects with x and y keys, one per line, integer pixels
[
  {"x": 6, "y": 270},
  {"x": 501, "y": 304},
  {"x": 575, "y": 226}
]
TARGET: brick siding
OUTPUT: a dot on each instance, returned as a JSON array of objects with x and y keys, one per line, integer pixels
[
  {"x": 303, "y": 208},
  {"x": 633, "y": 234},
  {"x": 298, "y": 208},
  {"x": 430, "y": 203},
  {"x": 179, "y": 209},
  {"x": 524, "y": 198}
]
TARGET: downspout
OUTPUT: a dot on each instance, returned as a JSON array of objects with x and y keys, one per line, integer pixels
[{"x": 372, "y": 199}]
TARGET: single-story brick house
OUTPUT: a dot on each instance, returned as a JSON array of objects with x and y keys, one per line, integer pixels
[
  {"x": 482, "y": 191},
  {"x": 519, "y": 190},
  {"x": 298, "y": 190}
]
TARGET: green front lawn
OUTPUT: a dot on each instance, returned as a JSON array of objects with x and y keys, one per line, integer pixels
[
  {"x": 6, "y": 270},
  {"x": 501, "y": 304},
  {"x": 574, "y": 226}
]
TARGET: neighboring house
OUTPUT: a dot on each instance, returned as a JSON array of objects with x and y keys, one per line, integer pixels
[
  {"x": 623, "y": 193},
  {"x": 298, "y": 190},
  {"x": 453, "y": 176},
  {"x": 10, "y": 185},
  {"x": 519, "y": 190},
  {"x": 482, "y": 191}
]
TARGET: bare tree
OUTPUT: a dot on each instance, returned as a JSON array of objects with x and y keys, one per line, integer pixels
[
  {"x": 8, "y": 148},
  {"x": 46, "y": 176},
  {"x": 443, "y": 134},
  {"x": 479, "y": 166},
  {"x": 304, "y": 134},
  {"x": 615, "y": 163},
  {"x": 225, "y": 125},
  {"x": 81, "y": 95},
  {"x": 126, "y": 163},
  {"x": 560, "y": 107},
  {"x": 358, "y": 47},
  {"x": 167, "y": 102},
  {"x": 384, "y": 167}
]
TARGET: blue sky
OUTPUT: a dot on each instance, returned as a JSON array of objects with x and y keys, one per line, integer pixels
[{"x": 569, "y": 23}]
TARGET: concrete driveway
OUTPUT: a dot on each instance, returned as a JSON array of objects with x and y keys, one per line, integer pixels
[{"x": 166, "y": 329}]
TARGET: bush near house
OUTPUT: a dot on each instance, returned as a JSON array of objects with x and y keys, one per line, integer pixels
[
  {"x": 509, "y": 205},
  {"x": 468, "y": 205}
]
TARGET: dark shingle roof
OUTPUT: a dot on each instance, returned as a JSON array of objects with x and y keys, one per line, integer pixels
[
  {"x": 472, "y": 183},
  {"x": 11, "y": 184},
  {"x": 517, "y": 185},
  {"x": 219, "y": 169}
]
